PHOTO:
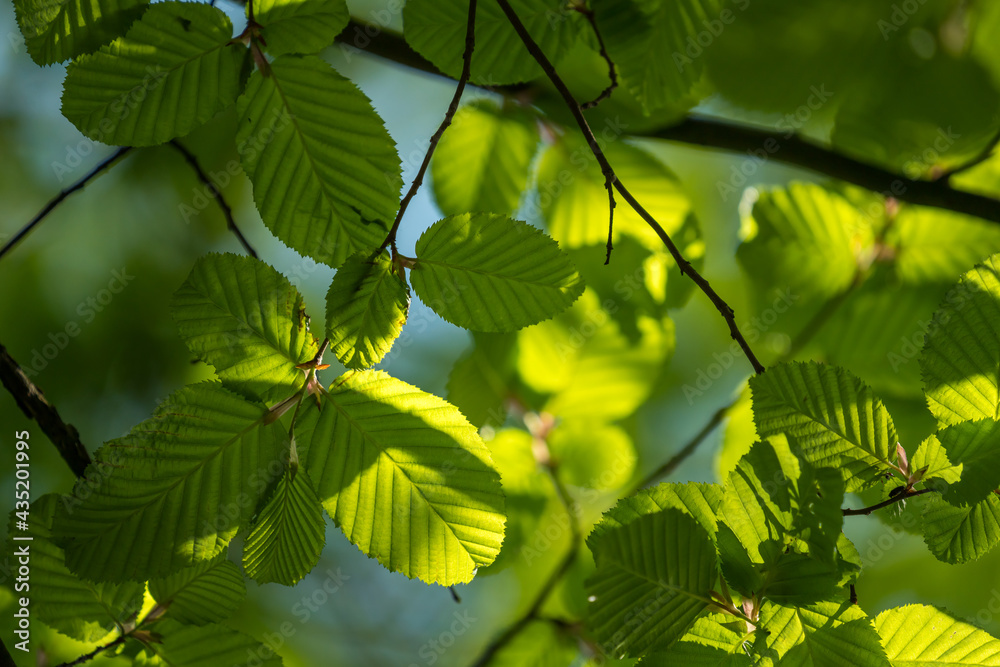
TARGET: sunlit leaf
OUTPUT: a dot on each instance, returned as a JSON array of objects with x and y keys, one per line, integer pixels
[
  {"x": 299, "y": 26},
  {"x": 206, "y": 593}
]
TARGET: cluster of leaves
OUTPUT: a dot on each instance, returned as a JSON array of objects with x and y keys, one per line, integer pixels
[{"x": 753, "y": 571}]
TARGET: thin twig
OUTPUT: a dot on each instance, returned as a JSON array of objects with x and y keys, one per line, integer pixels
[
  {"x": 34, "y": 405},
  {"x": 612, "y": 180},
  {"x": 226, "y": 210},
  {"x": 93, "y": 654},
  {"x": 55, "y": 201},
  {"x": 885, "y": 503},
  {"x": 612, "y": 72},
  {"x": 673, "y": 462},
  {"x": 470, "y": 45}
]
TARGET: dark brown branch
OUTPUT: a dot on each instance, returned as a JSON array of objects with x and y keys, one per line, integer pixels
[
  {"x": 803, "y": 153},
  {"x": 97, "y": 651},
  {"x": 612, "y": 73},
  {"x": 732, "y": 137},
  {"x": 216, "y": 194},
  {"x": 885, "y": 503},
  {"x": 470, "y": 45},
  {"x": 34, "y": 405},
  {"x": 612, "y": 180},
  {"x": 688, "y": 449},
  {"x": 55, "y": 201}
]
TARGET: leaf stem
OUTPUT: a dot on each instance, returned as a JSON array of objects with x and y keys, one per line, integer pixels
[
  {"x": 470, "y": 45},
  {"x": 885, "y": 503}
]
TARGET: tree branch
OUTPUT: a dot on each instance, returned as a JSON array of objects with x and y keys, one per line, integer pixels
[
  {"x": 732, "y": 137},
  {"x": 55, "y": 201},
  {"x": 93, "y": 654},
  {"x": 885, "y": 503},
  {"x": 34, "y": 405},
  {"x": 612, "y": 73},
  {"x": 612, "y": 180},
  {"x": 226, "y": 210},
  {"x": 470, "y": 45}
]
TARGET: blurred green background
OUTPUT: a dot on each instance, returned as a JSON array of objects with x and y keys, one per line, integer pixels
[{"x": 127, "y": 356}]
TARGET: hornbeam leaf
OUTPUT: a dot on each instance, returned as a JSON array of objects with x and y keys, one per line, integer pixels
[
  {"x": 436, "y": 30},
  {"x": 325, "y": 172},
  {"x": 206, "y": 646},
  {"x": 973, "y": 446},
  {"x": 646, "y": 41},
  {"x": 663, "y": 564},
  {"x": 961, "y": 356},
  {"x": 487, "y": 272},
  {"x": 206, "y": 593},
  {"x": 919, "y": 635},
  {"x": 243, "y": 317},
  {"x": 699, "y": 501},
  {"x": 828, "y": 634},
  {"x": 175, "y": 490},
  {"x": 405, "y": 476},
  {"x": 483, "y": 161},
  {"x": 366, "y": 309},
  {"x": 299, "y": 26},
  {"x": 833, "y": 416},
  {"x": 172, "y": 71},
  {"x": 57, "y": 31},
  {"x": 960, "y": 534},
  {"x": 79, "y": 609},
  {"x": 289, "y": 535}
]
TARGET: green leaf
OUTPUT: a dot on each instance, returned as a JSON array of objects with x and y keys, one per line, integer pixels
[
  {"x": 487, "y": 272},
  {"x": 300, "y": 26},
  {"x": 244, "y": 318},
  {"x": 960, "y": 534},
  {"x": 175, "y": 490},
  {"x": 288, "y": 536},
  {"x": 366, "y": 309},
  {"x": 803, "y": 239},
  {"x": 325, "y": 173},
  {"x": 206, "y": 593},
  {"x": 931, "y": 455},
  {"x": 647, "y": 40},
  {"x": 974, "y": 447},
  {"x": 699, "y": 501},
  {"x": 481, "y": 380},
  {"x": 740, "y": 434},
  {"x": 961, "y": 356},
  {"x": 662, "y": 564},
  {"x": 79, "y": 609},
  {"x": 54, "y": 32},
  {"x": 483, "y": 161},
  {"x": 537, "y": 644},
  {"x": 436, "y": 30},
  {"x": 208, "y": 646},
  {"x": 828, "y": 634},
  {"x": 917, "y": 635},
  {"x": 833, "y": 416},
  {"x": 590, "y": 368},
  {"x": 715, "y": 640},
  {"x": 172, "y": 71},
  {"x": 405, "y": 476}
]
